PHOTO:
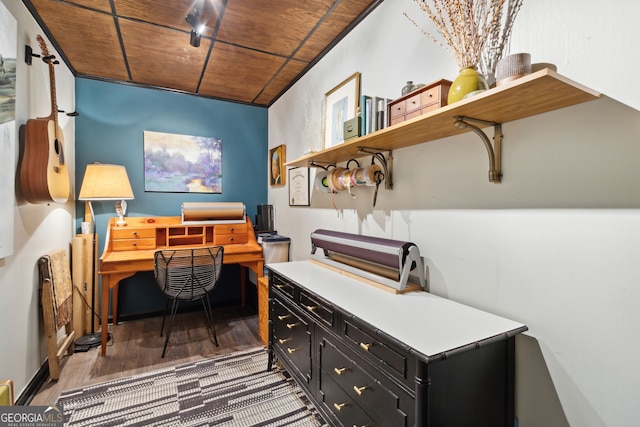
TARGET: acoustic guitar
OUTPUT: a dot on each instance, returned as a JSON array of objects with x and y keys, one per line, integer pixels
[{"x": 43, "y": 173}]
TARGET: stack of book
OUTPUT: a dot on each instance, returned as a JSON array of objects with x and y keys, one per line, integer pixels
[{"x": 374, "y": 114}]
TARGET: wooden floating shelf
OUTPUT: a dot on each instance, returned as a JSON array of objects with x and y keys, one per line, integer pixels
[{"x": 534, "y": 94}]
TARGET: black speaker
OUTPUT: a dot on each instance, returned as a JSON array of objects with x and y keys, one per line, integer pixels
[{"x": 264, "y": 218}]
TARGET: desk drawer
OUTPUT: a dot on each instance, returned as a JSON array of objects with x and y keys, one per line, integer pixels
[
  {"x": 133, "y": 244},
  {"x": 229, "y": 239},
  {"x": 133, "y": 233},
  {"x": 231, "y": 229}
]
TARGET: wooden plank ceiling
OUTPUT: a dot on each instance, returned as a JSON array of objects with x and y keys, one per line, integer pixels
[{"x": 251, "y": 51}]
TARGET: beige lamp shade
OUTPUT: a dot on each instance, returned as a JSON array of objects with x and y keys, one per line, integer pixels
[{"x": 105, "y": 182}]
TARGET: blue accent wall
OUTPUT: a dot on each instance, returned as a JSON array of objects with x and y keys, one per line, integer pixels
[{"x": 110, "y": 129}]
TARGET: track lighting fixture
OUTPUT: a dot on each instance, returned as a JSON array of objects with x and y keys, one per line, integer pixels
[
  {"x": 197, "y": 27},
  {"x": 195, "y": 38}
]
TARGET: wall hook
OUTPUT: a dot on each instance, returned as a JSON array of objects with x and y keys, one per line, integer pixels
[
  {"x": 29, "y": 55},
  {"x": 316, "y": 164},
  {"x": 72, "y": 114},
  {"x": 493, "y": 151}
]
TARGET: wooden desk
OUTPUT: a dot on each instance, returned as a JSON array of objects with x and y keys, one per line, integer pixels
[{"x": 131, "y": 249}]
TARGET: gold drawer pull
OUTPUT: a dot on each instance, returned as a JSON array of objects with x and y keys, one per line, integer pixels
[
  {"x": 282, "y": 341},
  {"x": 292, "y": 325},
  {"x": 359, "y": 390},
  {"x": 135, "y": 233},
  {"x": 291, "y": 350},
  {"x": 231, "y": 239},
  {"x": 364, "y": 425},
  {"x": 279, "y": 286},
  {"x": 134, "y": 244},
  {"x": 339, "y": 406},
  {"x": 311, "y": 307},
  {"x": 339, "y": 371},
  {"x": 286, "y": 316},
  {"x": 232, "y": 229},
  {"x": 365, "y": 346}
]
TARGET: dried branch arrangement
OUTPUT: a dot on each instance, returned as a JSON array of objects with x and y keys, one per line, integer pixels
[
  {"x": 465, "y": 26},
  {"x": 499, "y": 37}
]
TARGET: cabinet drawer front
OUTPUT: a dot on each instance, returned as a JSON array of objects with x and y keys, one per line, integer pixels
[
  {"x": 286, "y": 288},
  {"x": 412, "y": 103},
  {"x": 287, "y": 325},
  {"x": 133, "y": 244},
  {"x": 133, "y": 233},
  {"x": 231, "y": 229},
  {"x": 317, "y": 308},
  {"x": 228, "y": 239},
  {"x": 414, "y": 113},
  {"x": 337, "y": 402},
  {"x": 430, "y": 107},
  {"x": 396, "y": 120},
  {"x": 397, "y": 109},
  {"x": 379, "y": 402},
  {"x": 375, "y": 349},
  {"x": 292, "y": 336},
  {"x": 430, "y": 96}
]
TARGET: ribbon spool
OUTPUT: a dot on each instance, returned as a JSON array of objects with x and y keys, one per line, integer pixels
[
  {"x": 358, "y": 177},
  {"x": 371, "y": 174},
  {"x": 335, "y": 183},
  {"x": 322, "y": 181}
]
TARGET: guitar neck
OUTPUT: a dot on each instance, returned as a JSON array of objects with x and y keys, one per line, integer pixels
[{"x": 54, "y": 103}]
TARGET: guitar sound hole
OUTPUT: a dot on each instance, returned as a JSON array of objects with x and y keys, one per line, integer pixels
[{"x": 56, "y": 147}]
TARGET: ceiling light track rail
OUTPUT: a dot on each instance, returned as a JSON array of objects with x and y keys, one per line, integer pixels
[{"x": 494, "y": 151}]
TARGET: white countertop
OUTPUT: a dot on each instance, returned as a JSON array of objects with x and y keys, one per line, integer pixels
[{"x": 427, "y": 323}]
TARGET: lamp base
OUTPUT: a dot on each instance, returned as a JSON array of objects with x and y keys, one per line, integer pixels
[{"x": 121, "y": 222}]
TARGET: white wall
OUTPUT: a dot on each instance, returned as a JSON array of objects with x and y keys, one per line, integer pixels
[
  {"x": 38, "y": 228},
  {"x": 555, "y": 245}
]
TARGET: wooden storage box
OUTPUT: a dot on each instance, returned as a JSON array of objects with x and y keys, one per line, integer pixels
[{"x": 418, "y": 102}]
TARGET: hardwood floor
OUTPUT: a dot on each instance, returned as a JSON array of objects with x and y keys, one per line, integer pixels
[{"x": 136, "y": 347}]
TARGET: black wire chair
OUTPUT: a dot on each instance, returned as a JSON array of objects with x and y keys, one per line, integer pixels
[{"x": 188, "y": 275}]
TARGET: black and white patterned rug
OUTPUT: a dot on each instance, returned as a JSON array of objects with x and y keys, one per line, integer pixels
[{"x": 229, "y": 390}]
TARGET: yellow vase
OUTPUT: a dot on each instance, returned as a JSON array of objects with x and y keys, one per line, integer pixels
[{"x": 469, "y": 80}]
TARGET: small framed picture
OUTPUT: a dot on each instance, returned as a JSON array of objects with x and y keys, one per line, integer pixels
[
  {"x": 340, "y": 105},
  {"x": 299, "y": 187},
  {"x": 277, "y": 159}
]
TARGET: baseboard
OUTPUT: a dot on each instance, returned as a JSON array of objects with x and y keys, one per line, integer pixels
[{"x": 34, "y": 385}]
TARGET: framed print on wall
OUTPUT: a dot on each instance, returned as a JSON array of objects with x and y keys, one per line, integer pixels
[
  {"x": 8, "y": 77},
  {"x": 340, "y": 105},
  {"x": 276, "y": 171},
  {"x": 182, "y": 163},
  {"x": 299, "y": 187}
]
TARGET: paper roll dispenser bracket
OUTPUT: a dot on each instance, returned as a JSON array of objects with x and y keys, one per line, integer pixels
[{"x": 391, "y": 263}]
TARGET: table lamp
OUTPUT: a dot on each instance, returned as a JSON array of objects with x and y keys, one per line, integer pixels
[{"x": 102, "y": 182}]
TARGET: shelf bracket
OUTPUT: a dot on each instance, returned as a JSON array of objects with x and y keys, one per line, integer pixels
[
  {"x": 493, "y": 151},
  {"x": 386, "y": 163}
]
